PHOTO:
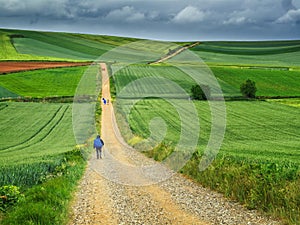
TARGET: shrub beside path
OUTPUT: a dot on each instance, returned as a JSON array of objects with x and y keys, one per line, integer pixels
[{"x": 177, "y": 200}]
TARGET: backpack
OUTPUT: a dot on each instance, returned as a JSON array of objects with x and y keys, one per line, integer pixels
[{"x": 98, "y": 143}]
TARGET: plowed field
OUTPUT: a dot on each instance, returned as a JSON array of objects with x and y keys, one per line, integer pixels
[{"x": 9, "y": 67}]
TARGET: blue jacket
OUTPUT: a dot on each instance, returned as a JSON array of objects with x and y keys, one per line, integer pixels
[{"x": 98, "y": 143}]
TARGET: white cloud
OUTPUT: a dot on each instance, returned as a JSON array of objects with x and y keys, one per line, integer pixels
[
  {"x": 292, "y": 16},
  {"x": 240, "y": 17},
  {"x": 152, "y": 15},
  {"x": 235, "y": 21},
  {"x": 189, "y": 14},
  {"x": 127, "y": 13}
]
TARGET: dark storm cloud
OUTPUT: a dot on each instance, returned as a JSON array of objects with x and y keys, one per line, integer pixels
[
  {"x": 158, "y": 19},
  {"x": 288, "y": 5}
]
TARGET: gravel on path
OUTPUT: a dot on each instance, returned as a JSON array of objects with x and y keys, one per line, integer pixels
[{"x": 104, "y": 197}]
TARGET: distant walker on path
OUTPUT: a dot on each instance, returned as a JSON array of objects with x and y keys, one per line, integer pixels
[{"x": 98, "y": 144}]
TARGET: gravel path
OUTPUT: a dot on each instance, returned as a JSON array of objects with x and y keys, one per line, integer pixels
[{"x": 117, "y": 190}]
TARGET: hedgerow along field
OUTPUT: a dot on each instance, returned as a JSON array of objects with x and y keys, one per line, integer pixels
[{"x": 258, "y": 163}]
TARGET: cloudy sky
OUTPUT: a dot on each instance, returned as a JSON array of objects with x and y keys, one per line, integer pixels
[{"x": 159, "y": 19}]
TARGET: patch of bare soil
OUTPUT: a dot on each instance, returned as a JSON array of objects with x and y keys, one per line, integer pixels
[{"x": 11, "y": 67}]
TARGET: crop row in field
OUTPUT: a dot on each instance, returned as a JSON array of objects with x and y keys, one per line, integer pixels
[
  {"x": 58, "y": 46},
  {"x": 35, "y": 136},
  {"x": 110, "y": 40},
  {"x": 254, "y": 131},
  {"x": 154, "y": 85},
  {"x": 33, "y": 130},
  {"x": 268, "y": 83},
  {"x": 67, "y": 46},
  {"x": 38, "y": 48},
  {"x": 42, "y": 83},
  {"x": 250, "y": 48},
  {"x": 9, "y": 52},
  {"x": 269, "y": 54}
]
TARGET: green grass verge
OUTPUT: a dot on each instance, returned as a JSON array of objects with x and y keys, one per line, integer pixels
[
  {"x": 49, "y": 202},
  {"x": 267, "y": 186}
]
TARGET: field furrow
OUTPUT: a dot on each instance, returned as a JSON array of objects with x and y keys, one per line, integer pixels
[{"x": 43, "y": 132}]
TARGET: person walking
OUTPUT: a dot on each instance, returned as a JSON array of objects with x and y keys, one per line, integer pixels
[{"x": 98, "y": 144}]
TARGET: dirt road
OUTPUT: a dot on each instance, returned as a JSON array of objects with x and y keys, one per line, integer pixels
[
  {"x": 105, "y": 195},
  {"x": 165, "y": 58}
]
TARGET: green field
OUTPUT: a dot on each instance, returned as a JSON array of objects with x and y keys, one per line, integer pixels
[
  {"x": 265, "y": 54},
  {"x": 248, "y": 135},
  {"x": 43, "y": 83},
  {"x": 9, "y": 52},
  {"x": 34, "y": 133},
  {"x": 268, "y": 82},
  {"x": 34, "y": 45},
  {"x": 132, "y": 73},
  {"x": 254, "y": 129}
]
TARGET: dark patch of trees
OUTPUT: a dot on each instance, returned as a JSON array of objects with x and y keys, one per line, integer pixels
[
  {"x": 248, "y": 89},
  {"x": 16, "y": 36},
  {"x": 200, "y": 92}
]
